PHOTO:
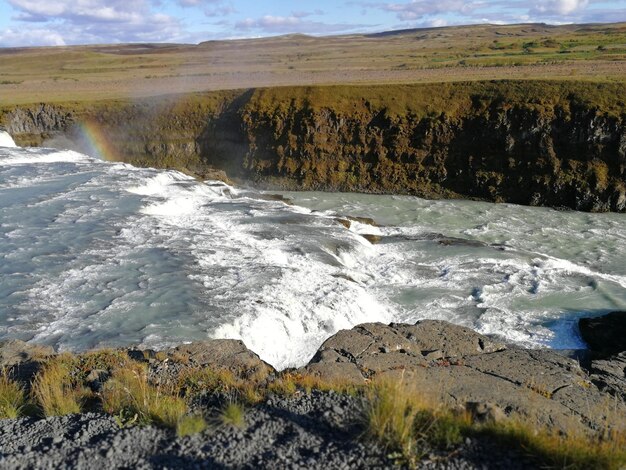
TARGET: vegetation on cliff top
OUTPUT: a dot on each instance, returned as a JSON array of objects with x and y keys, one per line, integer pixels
[
  {"x": 170, "y": 113},
  {"x": 451, "y": 99}
]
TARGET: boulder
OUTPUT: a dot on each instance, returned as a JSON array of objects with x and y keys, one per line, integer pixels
[
  {"x": 14, "y": 352},
  {"x": 605, "y": 335},
  {"x": 22, "y": 360},
  {"x": 450, "y": 364},
  {"x": 373, "y": 239},
  {"x": 222, "y": 353}
]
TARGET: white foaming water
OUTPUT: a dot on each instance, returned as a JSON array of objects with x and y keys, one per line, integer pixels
[
  {"x": 6, "y": 140},
  {"x": 100, "y": 254}
]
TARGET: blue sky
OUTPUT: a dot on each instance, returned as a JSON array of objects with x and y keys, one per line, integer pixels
[{"x": 59, "y": 22}]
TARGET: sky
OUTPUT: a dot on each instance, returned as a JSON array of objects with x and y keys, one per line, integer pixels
[{"x": 66, "y": 22}]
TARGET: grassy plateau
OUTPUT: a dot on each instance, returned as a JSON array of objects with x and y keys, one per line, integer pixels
[{"x": 462, "y": 53}]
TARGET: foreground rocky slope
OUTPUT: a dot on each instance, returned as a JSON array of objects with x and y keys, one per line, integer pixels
[
  {"x": 315, "y": 431},
  {"x": 444, "y": 363},
  {"x": 528, "y": 142}
]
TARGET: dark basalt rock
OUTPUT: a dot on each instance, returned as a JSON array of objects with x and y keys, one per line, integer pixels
[
  {"x": 363, "y": 220},
  {"x": 610, "y": 375},
  {"x": 373, "y": 239},
  {"x": 447, "y": 363},
  {"x": 14, "y": 352},
  {"x": 443, "y": 362},
  {"x": 22, "y": 360},
  {"x": 605, "y": 335}
]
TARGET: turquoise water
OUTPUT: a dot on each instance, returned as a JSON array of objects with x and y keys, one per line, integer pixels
[{"x": 103, "y": 254}]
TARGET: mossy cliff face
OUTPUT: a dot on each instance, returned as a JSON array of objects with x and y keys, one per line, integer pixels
[{"x": 542, "y": 143}]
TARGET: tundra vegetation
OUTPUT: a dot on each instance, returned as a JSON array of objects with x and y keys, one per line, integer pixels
[{"x": 432, "y": 55}]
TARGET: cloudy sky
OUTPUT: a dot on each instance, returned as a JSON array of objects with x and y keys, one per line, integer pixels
[{"x": 59, "y": 22}]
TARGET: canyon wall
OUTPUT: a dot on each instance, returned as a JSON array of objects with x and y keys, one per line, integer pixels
[{"x": 559, "y": 144}]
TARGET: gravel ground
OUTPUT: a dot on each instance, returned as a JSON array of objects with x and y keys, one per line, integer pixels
[{"x": 306, "y": 431}]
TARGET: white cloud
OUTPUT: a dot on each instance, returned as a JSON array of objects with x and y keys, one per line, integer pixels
[
  {"x": 438, "y": 23},
  {"x": 94, "y": 21},
  {"x": 418, "y": 9},
  {"x": 270, "y": 21},
  {"x": 30, "y": 37},
  {"x": 39, "y": 8},
  {"x": 113, "y": 10},
  {"x": 294, "y": 23},
  {"x": 210, "y": 7},
  {"x": 560, "y": 7}
]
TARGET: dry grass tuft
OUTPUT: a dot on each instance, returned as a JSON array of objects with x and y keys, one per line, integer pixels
[
  {"x": 234, "y": 415},
  {"x": 389, "y": 417},
  {"x": 553, "y": 450},
  {"x": 194, "y": 380},
  {"x": 12, "y": 398},
  {"x": 190, "y": 425},
  {"x": 130, "y": 396},
  {"x": 284, "y": 387},
  {"x": 250, "y": 393},
  {"x": 407, "y": 426},
  {"x": 55, "y": 390}
]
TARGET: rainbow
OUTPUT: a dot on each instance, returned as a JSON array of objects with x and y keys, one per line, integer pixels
[{"x": 95, "y": 141}]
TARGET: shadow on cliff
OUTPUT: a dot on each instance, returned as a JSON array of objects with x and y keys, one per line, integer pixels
[{"x": 222, "y": 143}]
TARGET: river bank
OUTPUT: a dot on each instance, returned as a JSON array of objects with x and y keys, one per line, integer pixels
[{"x": 314, "y": 416}]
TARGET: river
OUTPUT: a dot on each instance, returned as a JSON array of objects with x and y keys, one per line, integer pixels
[{"x": 96, "y": 254}]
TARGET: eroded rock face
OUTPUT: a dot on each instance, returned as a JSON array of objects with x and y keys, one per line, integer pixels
[
  {"x": 551, "y": 157},
  {"x": 481, "y": 141},
  {"x": 610, "y": 375},
  {"x": 34, "y": 124},
  {"x": 455, "y": 365}
]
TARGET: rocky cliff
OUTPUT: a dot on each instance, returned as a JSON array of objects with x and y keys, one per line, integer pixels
[{"x": 540, "y": 143}]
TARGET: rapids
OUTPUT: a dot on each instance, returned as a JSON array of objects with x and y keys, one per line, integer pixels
[{"x": 105, "y": 254}]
